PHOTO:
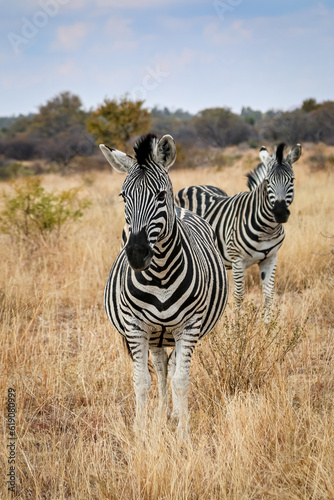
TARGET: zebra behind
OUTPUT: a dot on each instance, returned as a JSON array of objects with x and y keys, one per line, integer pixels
[
  {"x": 168, "y": 286},
  {"x": 248, "y": 225}
]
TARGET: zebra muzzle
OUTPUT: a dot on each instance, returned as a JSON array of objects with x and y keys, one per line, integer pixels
[
  {"x": 138, "y": 251},
  {"x": 281, "y": 211}
]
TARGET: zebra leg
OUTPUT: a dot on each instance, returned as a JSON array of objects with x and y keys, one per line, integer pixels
[
  {"x": 184, "y": 346},
  {"x": 238, "y": 271},
  {"x": 160, "y": 359},
  {"x": 142, "y": 377},
  {"x": 171, "y": 364},
  {"x": 267, "y": 270}
]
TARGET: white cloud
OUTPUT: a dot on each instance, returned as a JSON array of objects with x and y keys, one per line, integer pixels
[
  {"x": 120, "y": 34},
  {"x": 68, "y": 69},
  {"x": 71, "y": 37},
  {"x": 236, "y": 33}
]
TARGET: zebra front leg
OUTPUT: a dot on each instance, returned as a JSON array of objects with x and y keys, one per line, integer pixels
[
  {"x": 238, "y": 271},
  {"x": 160, "y": 359},
  {"x": 267, "y": 270},
  {"x": 184, "y": 347},
  {"x": 142, "y": 377}
]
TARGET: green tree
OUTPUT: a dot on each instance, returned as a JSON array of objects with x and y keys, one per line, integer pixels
[
  {"x": 309, "y": 105},
  {"x": 115, "y": 122},
  {"x": 250, "y": 115}
]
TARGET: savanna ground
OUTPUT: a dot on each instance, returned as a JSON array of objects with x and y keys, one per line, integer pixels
[{"x": 262, "y": 421}]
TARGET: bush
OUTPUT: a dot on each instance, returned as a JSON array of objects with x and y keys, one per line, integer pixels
[
  {"x": 33, "y": 214},
  {"x": 320, "y": 160},
  {"x": 243, "y": 355},
  {"x": 222, "y": 160},
  {"x": 18, "y": 149},
  {"x": 14, "y": 170}
]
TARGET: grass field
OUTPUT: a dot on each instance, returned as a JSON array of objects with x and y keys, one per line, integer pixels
[{"x": 262, "y": 422}]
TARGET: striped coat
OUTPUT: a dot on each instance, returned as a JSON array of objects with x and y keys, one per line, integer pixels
[
  {"x": 249, "y": 225},
  {"x": 167, "y": 287}
]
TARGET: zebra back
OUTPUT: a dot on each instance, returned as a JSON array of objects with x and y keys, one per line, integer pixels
[{"x": 199, "y": 199}]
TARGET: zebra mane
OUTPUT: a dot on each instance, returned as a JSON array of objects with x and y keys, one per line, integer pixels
[
  {"x": 279, "y": 153},
  {"x": 257, "y": 176},
  {"x": 143, "y": 147}
]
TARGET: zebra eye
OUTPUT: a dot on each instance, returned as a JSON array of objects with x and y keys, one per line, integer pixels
[
  {"x": 122, "y": 195},
  {"x": 161, "y": 196}
]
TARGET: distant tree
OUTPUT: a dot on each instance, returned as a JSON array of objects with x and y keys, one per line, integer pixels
[
  {"x": 179, "y": 114},
  {"x": 59, "y": 114},
  {"x": 309, "y": 105},
  {"x": 56, "y": 133},
  {"x": 271, "y": 113},
  {"x": 115, "y": 122},
  {"x": 220, "y": 127},
  {"x": 313, "y": 122},
  {"x": 323, "y": 122},
  {"x": 289, "y": 127},
  {"x": 250, "y": 115},
  {"x": 18, "y": 149},
  {"x": 177, "y": 123}
]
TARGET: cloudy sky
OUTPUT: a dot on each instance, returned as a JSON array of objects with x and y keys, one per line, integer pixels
[{"x": 189, "y": 54}]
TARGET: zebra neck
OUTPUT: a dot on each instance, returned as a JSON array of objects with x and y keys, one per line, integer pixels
[{"x": 168, "y": 254}]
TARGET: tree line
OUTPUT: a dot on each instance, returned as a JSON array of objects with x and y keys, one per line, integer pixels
[{"x": 62, "y": 133}]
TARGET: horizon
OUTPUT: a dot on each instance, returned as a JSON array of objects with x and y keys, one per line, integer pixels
[{"x": 162, "y": 107}]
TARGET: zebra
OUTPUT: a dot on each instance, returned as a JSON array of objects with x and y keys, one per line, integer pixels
[
  {"x": 248, "y": 225},
  {"x": 168, "y": 285}
]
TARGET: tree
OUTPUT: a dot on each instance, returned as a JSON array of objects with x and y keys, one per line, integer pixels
[
  {"x": 220, "y": 127},
  {"x": 61, "y": 113},
  {"x": 250, "y": 115},
  {"x": 57, "y": 132},
  {"x": 290, "y": 127},
  {"x": 115, "y": 122},
  {"x": 309, "y": 105}
]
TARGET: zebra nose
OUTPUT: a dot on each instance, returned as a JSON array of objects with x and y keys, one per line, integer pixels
[
  {"x": 138, "y": 251},
  {"x": 139, "y": 257},
  {"x": 281, "y": 211}
]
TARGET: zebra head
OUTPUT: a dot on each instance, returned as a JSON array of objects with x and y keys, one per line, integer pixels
[
  {"x": 280, "y": 179},
  {"x": 147, "y": 193}
]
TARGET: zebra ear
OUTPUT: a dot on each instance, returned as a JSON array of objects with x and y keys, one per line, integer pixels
[
  {"x": 121, "y": 162},
  {"x": 294, "y": 154},
  {"x": 166, "y": 151},
  {"x": 264, "y": 155}
]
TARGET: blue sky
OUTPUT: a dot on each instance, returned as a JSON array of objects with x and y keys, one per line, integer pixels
[{"x": 189, "y": 54}]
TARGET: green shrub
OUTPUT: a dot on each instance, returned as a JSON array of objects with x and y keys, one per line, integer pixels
[
  {"x": 253, "y": 144},
  {"x": 14, "y": 170},
  {"x": 33, "y": 214}
]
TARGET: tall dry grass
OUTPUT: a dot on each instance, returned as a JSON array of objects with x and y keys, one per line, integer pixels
[{"x": 273, "y": 438}]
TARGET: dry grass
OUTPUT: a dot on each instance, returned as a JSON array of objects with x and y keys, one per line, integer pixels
[{"x": 73, "y": 380}]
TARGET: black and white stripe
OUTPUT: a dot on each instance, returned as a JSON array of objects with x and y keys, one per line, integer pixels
[
  {"x": 167, "y": 287},
  {"x": 248, "y": 225}
]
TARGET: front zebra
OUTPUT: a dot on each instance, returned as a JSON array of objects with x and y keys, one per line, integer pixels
[
  {"x": 248, "y": 225},
  {"x": 168, "y": 286}
]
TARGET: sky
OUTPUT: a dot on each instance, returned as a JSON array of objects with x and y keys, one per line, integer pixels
[{"x": 189, "y": 54}]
